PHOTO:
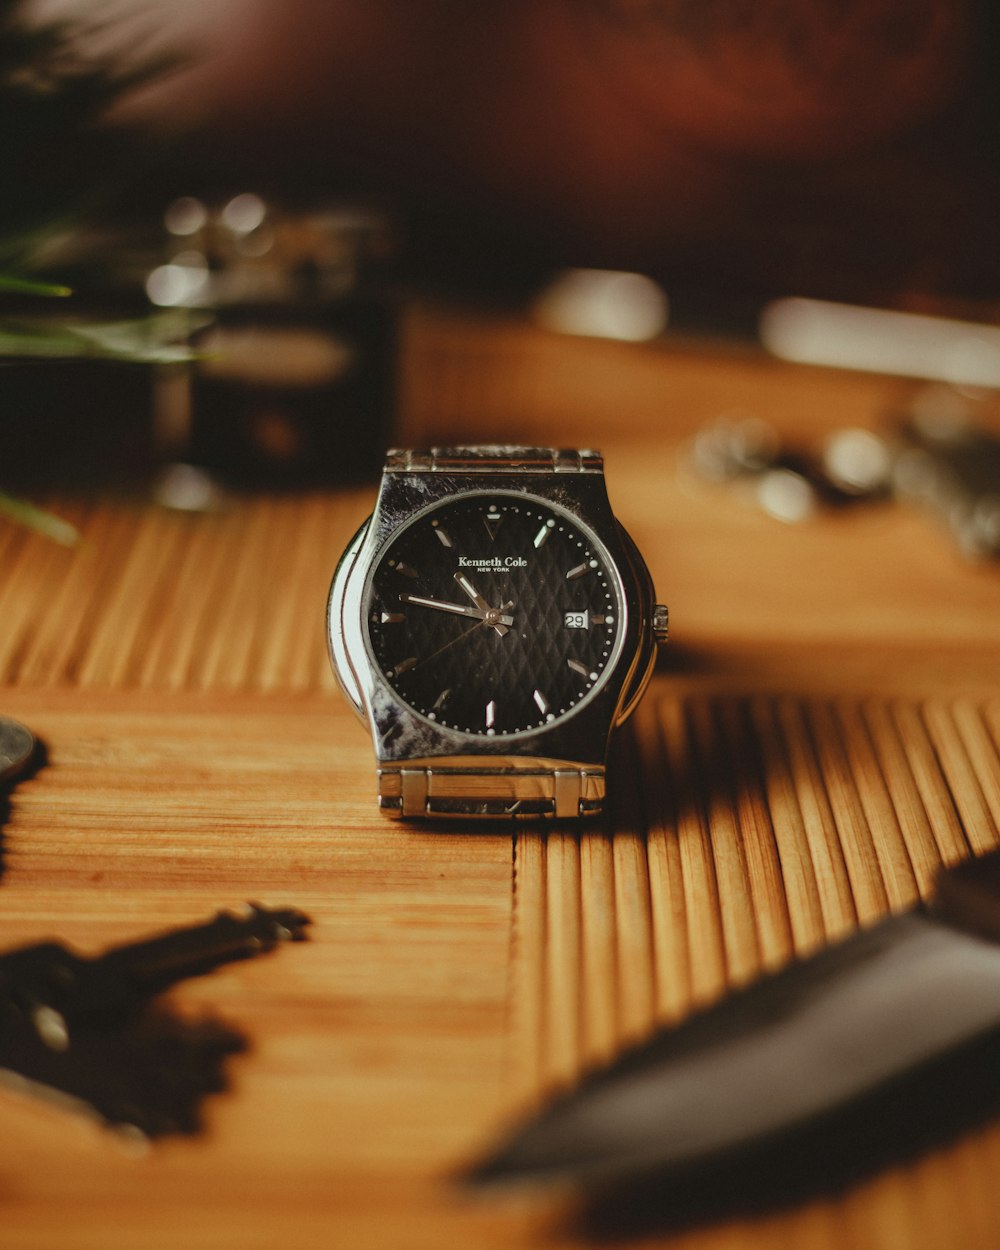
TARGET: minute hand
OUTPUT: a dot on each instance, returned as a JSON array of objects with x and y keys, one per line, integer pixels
[{"x": 494, "y": 616}]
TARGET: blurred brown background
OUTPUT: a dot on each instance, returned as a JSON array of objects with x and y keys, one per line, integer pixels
[{"x": 785, "y": 145}]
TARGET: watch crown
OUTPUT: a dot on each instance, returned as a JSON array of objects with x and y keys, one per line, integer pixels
[{"x": 661, "y": 619}]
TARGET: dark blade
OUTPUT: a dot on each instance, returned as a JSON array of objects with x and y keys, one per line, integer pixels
[{"x": 788, "y": 1051}]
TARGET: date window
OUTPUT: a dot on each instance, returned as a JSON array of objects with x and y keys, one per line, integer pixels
[{"x": 577, "y": 620}]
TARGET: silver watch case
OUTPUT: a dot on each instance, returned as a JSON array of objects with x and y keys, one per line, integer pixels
[{"x": 401, "y": 736}]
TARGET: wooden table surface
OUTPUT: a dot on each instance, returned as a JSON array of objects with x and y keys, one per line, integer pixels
[{"x": 822, "y": 733}]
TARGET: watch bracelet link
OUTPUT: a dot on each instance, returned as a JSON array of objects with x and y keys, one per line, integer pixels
[
  {"x": 494, "y": 459},
  {"x": 446, "y": 790}
]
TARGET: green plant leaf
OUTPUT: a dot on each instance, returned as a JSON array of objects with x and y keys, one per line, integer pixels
[
  {"x": 150, "y": 340},
  {"x": 37, "y": 519},
  {"x": 29, "y": 286}
]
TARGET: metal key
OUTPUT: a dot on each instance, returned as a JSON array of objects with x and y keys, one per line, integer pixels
[
  {"x": 17, "y": 747},
  {"x": 949, "y": 464},
  {"x": 90, "y": 1029},
  {"x": 59, "y": 990}
]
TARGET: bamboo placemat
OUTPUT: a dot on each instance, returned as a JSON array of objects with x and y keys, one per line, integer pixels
[
  {"x": 759, "y": 812},
  {"x": 154, "y": 599}
]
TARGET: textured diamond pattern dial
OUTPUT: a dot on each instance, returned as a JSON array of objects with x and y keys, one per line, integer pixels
[{"x": 494, "y": 614}]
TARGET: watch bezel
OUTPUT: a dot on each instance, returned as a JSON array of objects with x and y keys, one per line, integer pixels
[{"x": 600, "y": 549}]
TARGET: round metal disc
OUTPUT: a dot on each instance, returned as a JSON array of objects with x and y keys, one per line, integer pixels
[{"x": 16, "y": 747}]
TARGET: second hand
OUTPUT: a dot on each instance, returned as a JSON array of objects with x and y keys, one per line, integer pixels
[{"x": 464, "y": 634}]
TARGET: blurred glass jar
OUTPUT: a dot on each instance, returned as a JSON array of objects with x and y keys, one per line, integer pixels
[{"x": 293, "y": 326}]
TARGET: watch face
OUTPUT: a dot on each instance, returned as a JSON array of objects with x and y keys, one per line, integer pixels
[{"x": 494, "y": 614}]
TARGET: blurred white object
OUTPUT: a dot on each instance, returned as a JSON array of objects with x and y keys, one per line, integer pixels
[
  {"x": 183, "y": 283},
  {"x": 244, "y": 213},
  {"x": 604, "y": 303},
  {"x": 734, "y": 445},
  {"x": 857, "y": 461},
  {"x": 786, "y": 496},
  {"x": 874, "y": 340},
  {"x": 185, "y": 216},
  {"x": 187, "y": 488}
]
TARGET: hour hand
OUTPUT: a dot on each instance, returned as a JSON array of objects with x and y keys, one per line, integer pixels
[
  {"x": 492, "y": 616},
  {"x": 503, "y": 624}
]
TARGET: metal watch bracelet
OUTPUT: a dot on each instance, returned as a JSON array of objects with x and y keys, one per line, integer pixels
[
  {"x": 442, "y": 788},
  {"x": 494, "y": 459}
]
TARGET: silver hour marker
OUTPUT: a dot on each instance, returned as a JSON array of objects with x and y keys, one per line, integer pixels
[
  {"x": 404, "y": 666},
  {"x": 541, "y": 701},
  {"x": 491, "y": 714},
  {"x": 543, "y": 534},
  {"x": 392, "y": 618},
  {"x": 442, "y": 534},
  {"x": 405, "y": 569},
  {"x": 439, "y": 701},
  {"x": 468, "y": 587},
  {"x": 578, "y": 571},
  {"x": 597, "y": 619},
  {"x": 492, "y": 522},
  {"x": 577, "y": 667}
]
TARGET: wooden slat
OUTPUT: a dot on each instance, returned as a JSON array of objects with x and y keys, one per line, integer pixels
[
  {"x": 982, "y": 754},
  {"x": 56, "y": 627},
  {"x": 633, "y": 932},
  {"x": 933, "y": 795},
  {"x": 34, "y": 567},
  {"x": 671, "y": 947},
  {"x": 562, "y": 964},
  {"x": 770, "y": 904},
  {"x": 527, "y": 1041},
  {"x": 877, "y": 806},
  {"x": 735, "y": 910},
  {"x": 855, "y": 836},
  {"x": 701, "y": 910},
  {"x": 599, "y": 973},
  {"x": 798, "y": 873},
  {"x": 960, "y": 774},
  {"x": 174, "y": 650},
  {"x": 911, "y": 819},
  {"x": 832, "y": 881},
  {"x": 131, "y": 603}
]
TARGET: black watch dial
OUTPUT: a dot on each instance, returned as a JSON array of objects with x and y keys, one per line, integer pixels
[{"x": 494, "y": 614}]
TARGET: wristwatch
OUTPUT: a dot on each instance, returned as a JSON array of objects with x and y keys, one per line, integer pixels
[{"x": 493, "y": 623}]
